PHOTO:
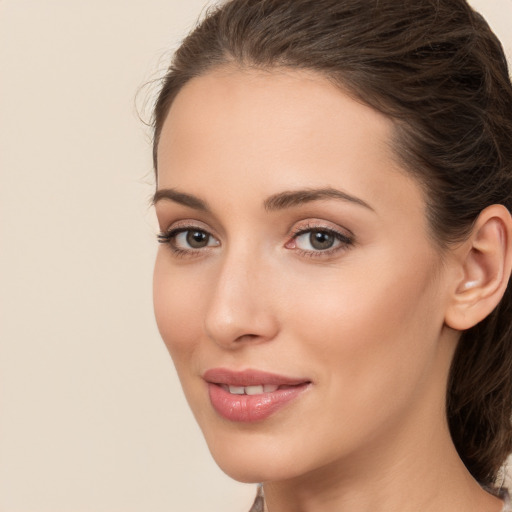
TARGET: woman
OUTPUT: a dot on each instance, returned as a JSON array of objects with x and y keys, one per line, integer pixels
[{"x": 334, "y": 183}]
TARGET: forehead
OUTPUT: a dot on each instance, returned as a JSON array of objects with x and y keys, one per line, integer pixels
[
  {"x": 275, "y": 109},
  {"x": 265, "y": 131}
]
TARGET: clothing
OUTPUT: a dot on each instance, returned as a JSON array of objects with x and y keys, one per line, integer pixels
[
  {"x": 259, "y": 502},
  {"x": 505, "y": 496}
]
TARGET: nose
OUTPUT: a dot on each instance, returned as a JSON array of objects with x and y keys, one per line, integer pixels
[{"x": 240, "y": 308}]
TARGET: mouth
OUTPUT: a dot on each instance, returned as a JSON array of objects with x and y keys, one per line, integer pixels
[
  {"x": 248, "y": 379},
  {"x": 251, "y": 395},
  {"x": 254, "y": 390}
]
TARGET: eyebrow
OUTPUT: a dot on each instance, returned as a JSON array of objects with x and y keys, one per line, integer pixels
[
  {"x": 180, "y": 198},
  {"x": 280, "y": 201},
  {"x": 298, "y": 197}
]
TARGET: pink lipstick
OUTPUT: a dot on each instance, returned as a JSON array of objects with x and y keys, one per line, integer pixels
[{"x": 250, "y": 395}]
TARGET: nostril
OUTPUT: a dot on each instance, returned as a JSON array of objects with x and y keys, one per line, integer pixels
[{"x": 247, "y": 337}]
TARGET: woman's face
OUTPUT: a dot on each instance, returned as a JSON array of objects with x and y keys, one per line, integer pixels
[{"x": 297, "y": 288}]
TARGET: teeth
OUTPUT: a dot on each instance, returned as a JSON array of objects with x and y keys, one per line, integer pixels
[
  {"x": 250, "y": 390},
  {"x": 253, "y": 390}
]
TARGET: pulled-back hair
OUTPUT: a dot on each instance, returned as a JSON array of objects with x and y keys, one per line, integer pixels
[{"x": 436, "y": 69}]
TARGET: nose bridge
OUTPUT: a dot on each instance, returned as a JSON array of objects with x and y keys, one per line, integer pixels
[{"x": 240, "y": 307}]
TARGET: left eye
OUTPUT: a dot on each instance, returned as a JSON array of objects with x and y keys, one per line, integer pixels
[{"x": 319, "y": 240}]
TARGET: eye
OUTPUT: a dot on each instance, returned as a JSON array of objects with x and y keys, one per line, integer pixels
[
  {"x": 188, "y": 239},
  {"x": 318, "y": 241},
  {"x": 193, "y": 238}
]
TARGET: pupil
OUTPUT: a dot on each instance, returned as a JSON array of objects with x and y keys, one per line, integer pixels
[
  {"x": 197, "y": 239},
  {"x": 321, "y": 240}
]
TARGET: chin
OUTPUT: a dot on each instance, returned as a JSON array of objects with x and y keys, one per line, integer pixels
[
  {"x": 255, "y": 457},
  {"x": 242, "y": 461},
  {"x": 244, "y": 474},
  {"x": 249, "y": 470}
]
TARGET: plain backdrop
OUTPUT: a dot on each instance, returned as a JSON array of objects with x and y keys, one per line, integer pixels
[{"x": 91, "y": 413}]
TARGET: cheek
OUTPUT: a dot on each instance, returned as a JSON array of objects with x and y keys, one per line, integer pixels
[
  {"x": 176, "y": 300},
  {"x": 374, "y": 331}
]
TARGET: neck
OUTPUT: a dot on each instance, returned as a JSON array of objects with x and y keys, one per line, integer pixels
[
  {"x": 422, "y": 476},
  {"x": 412, "y": 465},
  {"x": 408, "y": 483}
]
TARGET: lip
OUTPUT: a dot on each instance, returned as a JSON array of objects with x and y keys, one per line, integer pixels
[
  {"x": 251, "y": 408},
  {"x": 249, "y": 378}
]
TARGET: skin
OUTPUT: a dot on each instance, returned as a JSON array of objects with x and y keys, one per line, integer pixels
[{"x": 364, "y": 321}]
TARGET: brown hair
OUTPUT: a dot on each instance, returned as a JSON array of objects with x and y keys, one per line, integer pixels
[{"x": 437, "y": 70}]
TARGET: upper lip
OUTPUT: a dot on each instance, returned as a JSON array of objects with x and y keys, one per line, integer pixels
[{"x": 249, "y": 378}]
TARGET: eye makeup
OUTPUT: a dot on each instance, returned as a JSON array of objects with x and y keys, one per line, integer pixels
[
  {"x": 323, "y": 241},
  {"x": 313, "y": 239}
]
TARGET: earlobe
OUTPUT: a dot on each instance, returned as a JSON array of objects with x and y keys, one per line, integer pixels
[{"x": 485, "y": 261}]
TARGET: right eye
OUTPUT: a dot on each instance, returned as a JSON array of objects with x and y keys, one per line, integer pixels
[
  {"x": 193, "y": 238},
  {"x": 188, "y": 239}
]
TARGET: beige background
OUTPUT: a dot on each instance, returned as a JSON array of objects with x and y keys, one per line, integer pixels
[{"x": 91, "y": 415}]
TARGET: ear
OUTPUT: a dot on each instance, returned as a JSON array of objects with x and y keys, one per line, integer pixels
[{"x": 483, "y": 264}]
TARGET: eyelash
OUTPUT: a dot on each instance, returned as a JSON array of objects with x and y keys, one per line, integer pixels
[
  {"x": 345, "y": 241},
  {"x": 169, "y": 236}
]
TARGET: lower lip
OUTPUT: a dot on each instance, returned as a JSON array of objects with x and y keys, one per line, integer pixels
[{"x": 251, "y": 408}]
